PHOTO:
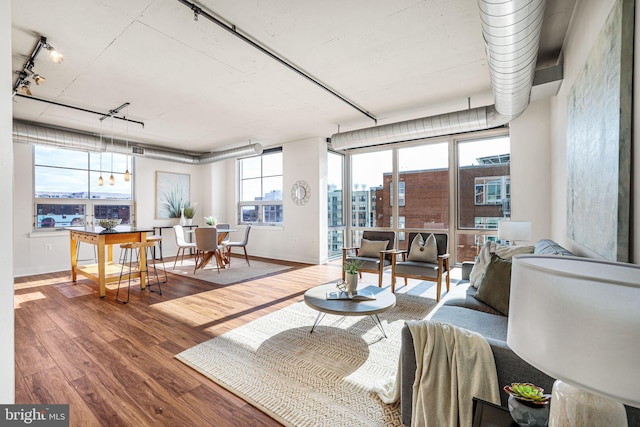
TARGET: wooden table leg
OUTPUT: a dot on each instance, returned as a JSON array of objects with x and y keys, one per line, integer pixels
[
  {"x": 74, "y": 256},
  {"x": 143, "y": 262},
  {"x": 101, "y": 266}
]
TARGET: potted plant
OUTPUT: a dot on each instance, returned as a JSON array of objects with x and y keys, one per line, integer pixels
[
  {"x": 351, "y": 274},
  {"x": 210, "y": 220},
  {"x": 528, "y": 404},
  {"x": 190, "y": 212}
]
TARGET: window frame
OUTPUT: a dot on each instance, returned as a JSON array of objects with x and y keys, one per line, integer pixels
[
  {"x": 88, "y": 202},
  {"x": 260, "y": 205}
]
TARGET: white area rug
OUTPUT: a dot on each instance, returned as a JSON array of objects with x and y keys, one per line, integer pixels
[
  {"x": 318, "y": 379},
  {"x": 238, "y": 272}
]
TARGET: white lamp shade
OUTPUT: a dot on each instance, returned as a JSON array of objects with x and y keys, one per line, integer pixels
[
  {"x": 514, "y": 230},
  {"x": 578, "y": 320}
]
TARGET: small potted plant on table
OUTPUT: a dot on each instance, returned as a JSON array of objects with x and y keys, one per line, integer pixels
[
  {"x": 351, "y": 274},
  {"x": 528, "y": 404},
  {"x": 190, "y": 212}
]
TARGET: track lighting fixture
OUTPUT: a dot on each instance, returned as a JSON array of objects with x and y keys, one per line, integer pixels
[{"x": 21, "y": 85}]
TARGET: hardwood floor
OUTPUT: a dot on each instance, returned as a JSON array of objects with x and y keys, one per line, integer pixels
[{"x": 113, "y": 363}]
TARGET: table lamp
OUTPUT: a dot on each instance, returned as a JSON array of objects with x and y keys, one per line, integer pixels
[
  {"x": 578, "y": 320},
  {"x": 514, "y": 231}
]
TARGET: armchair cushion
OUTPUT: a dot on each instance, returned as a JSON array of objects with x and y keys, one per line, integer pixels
[
  {"x": 372, "y": 248},
  {"x": 494, "y": 290},
  {"x": 422, "y": 250}
]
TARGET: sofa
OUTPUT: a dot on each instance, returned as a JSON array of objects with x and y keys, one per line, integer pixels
[{"x": 461, "y": 308}]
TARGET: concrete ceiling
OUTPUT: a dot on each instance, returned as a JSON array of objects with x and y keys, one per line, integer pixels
[{"x": 199, "y": 88}]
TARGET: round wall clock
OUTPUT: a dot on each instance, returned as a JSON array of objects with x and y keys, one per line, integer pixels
[{"x": 300, "y": 193}]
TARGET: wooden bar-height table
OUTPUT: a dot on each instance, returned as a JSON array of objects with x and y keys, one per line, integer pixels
[{"x": 106, "y": 271}]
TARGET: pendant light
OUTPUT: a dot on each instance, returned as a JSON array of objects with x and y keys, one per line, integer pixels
[
  {"x": 100, "y": 180},
  {"x": 127, "y": 175},
  {"x": 112, "y": 180}
]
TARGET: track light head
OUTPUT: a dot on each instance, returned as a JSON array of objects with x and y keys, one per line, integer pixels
[
  {"x": 39, "y": 79},
  {"x": 23, "y": 89},
  {"x": 54, "y": 54}
]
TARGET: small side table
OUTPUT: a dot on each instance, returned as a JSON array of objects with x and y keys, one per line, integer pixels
[{"x": 486, "y": 414}]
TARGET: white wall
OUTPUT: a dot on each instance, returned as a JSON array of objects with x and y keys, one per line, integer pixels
[
  {"x": 530, "y": 166},
  {"x": 586, "y": 23},
  {"x": 7, "y": 373},
  {"x": 302, "y": 237}
]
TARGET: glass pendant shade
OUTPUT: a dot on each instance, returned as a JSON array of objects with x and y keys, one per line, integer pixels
[
  {"x": 112, "y": 180},
  {"x": 100, "y": 181},
  {"x": 127, "y": 175}
]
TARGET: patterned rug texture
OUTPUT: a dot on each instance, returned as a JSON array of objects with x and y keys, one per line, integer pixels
[
  {"x": 239, "y": 271},
  {"x": 319, "y": 379}
]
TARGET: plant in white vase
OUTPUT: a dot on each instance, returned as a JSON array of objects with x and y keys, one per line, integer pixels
[
  {"x": 190, "y": 212},
  {"x": 351, "y": 274},
  {"x": 210, "y": 220}
]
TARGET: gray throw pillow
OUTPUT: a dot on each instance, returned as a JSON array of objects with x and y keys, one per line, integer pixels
[
  {"x": 495, "y": 286},
  {"x": 372, "y": 248}
]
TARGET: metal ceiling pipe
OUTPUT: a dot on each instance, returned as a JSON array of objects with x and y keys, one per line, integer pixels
[
  {"x": 511, "y": 30},
  {"x": 30, "y": 133}
]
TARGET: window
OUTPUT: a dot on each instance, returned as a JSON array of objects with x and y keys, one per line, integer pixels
[
  {"x": 66, "y": 190},
  {"x": 492, "y": 190},
  {"x": 261, "y": 188},
  {"x": 335, "y": 223}
]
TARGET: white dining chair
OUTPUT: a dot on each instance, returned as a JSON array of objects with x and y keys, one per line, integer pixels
[
  {"x": 242, "y": 244},
  {"x": 182, "y": 244}
]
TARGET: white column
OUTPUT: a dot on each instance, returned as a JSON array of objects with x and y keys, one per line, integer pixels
[{"x": 7, "y": 370}]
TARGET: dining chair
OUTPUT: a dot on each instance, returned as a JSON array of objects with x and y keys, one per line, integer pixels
[
  {"x": 242, "y": 244},
  {"x": 182, "y": 244},
  {"x": 224, "y": 227},
  {"x": 207, "y": 246}
]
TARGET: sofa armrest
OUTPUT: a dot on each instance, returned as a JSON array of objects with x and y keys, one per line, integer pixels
[
  {"x": 407, "y": 375},
  {"x": 467, "y": 266}
]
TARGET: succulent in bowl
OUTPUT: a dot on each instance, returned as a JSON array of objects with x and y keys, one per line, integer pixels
[
  {"x": 108, "y": 224},
  {"x": 527, "y": 392}
]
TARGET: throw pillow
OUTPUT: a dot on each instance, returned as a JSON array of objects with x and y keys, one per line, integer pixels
[
  {"x": 503, "y": 251},
  {"x": 372, "y": 248},
  {"x": 422, "y": 250},
  {"x": 495, "y": 288}
]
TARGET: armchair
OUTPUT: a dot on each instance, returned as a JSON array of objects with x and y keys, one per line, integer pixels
[
  {"x": 424, "y": 270},
  {"x": 373, "y": 255}
]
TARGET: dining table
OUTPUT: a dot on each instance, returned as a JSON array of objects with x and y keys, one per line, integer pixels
[{"x": 106, "y": 271}]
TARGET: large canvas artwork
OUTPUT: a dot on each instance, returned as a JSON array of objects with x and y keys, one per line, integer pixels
[
  {"x": 599, "y": 140},
  {"x": 172, "y": 194}
]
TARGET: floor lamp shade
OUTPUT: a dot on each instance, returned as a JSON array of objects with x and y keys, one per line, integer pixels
[
  {"x": 514, "y": 230},
  {"x": 578, "y": 320}
]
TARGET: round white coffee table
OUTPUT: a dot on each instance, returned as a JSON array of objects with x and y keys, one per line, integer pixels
[{"x": 316, "y": 298}]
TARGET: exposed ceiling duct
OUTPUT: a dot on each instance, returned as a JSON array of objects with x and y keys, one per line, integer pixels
[
  {"x": 511, "y": 30},
  {"x": 30, "y": 133}
]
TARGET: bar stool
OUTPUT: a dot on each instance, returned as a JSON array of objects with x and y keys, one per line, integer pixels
[
  {"x": 129, "y": 249},
  {"x": 157, "y": 241}
]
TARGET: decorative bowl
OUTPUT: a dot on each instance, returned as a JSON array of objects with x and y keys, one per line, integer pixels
[{"x": 109, "y": 224}]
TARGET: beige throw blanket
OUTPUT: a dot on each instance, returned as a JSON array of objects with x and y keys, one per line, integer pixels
[{"x": 453, "y": 366}]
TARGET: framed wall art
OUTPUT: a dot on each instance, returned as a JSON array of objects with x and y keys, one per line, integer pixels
[{"x": 172, "y": 193}]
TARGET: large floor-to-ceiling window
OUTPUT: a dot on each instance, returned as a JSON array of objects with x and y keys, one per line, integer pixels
[
  {"x": 335, "y": 203},
  {"x": 261, "y": 188},
  {"x": 455, "y": 185}
]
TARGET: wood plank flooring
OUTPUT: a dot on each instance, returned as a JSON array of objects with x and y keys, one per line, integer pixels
[{"x": 114, "y": 363}]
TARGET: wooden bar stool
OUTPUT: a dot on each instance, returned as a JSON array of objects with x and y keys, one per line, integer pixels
[
  {"x": 129, "y": 249},
  {"x": 157, "y": 241}
]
